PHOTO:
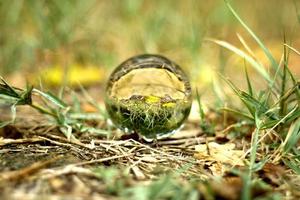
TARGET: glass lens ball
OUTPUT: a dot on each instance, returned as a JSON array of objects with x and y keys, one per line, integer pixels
[{"x": 149, "y": 95}]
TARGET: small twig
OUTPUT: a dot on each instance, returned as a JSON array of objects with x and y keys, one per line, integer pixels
[
  {"x": 4, "y": 142},
  {"x": 57, "y": 143},
  {"x": 188, "y": 141},
  {"x": 101, "y": 160}
]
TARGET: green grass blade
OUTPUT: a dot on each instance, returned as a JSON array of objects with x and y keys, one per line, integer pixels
[
  {"x": 282, "y": 103},
  {"x": 90, "y": 100},
  {"x": 26, "y": 97},
  {"x": 246, "y": 46},
  {"x": 13, "y": 111},
  {"x": 52, "y": 98},
  {"x": 292, "y": 137},
  {"x": 293, "y": 165},
  {"x": 3, "y": 124},
  {"x": 257, "y": 66},
  {"x": 204, "y": 125},
  {"x": 239, "y": 94},
  {"x": 238, "y": 112},
  {"x": 250, "y": 91},
  {"x": 253, "y": 35},
  {"x": 6, "y": 89},
  {"x": 201, "y": 111},
  {"x": 296, "y": 85}
]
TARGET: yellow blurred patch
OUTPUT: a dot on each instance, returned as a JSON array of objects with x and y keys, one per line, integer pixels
[
  {"x": 83, "y": 74},
  {"x": 206, "y": 75},
  {"x": 152, "y": 99},
  {"x": 169, "y": 104}
]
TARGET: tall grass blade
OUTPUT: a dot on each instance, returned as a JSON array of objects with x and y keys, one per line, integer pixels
[
  {"x": 201, "y": 111},
  {"x": 238, "y": 112},
  {"x": 293, "y": 165},
  {"x": 293, "y": 49},
  {"x": 246, "y": 46},
  {"x": 292, "y": 137},
  {"x": 6, "y": 89},
  {"x": 257, "y": 66},
  {"x": 253, "y": 35},
  {"x": 52, "y": 98},
  {"x": 283, "y": 82},
  {"x": 250, "y": 91}
]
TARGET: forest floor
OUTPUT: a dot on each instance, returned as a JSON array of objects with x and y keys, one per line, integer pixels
[{"x": 38, "y": 162}]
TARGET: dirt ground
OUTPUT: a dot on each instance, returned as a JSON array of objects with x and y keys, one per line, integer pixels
[{"x": 38, "y": 162}]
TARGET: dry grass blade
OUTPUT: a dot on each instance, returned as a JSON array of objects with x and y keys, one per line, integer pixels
[
  {"x": 253, "y": 35},
  {"x": 293, "y": 49},
  {"x": 257, "y": 66},
  {"x": 4, "y": 142}
]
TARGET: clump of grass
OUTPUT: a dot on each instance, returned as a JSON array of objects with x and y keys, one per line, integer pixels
[
  {"x": 204, "y": 124},
  {"x": 273, "y": 109},
  {"x": 69, "y": 118}
]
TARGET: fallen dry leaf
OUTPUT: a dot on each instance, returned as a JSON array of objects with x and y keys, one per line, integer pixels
[
  {"x": 272, "y": 174},
  {"x": 223, "y": 153},
  {"x": 218, "y": 156}
]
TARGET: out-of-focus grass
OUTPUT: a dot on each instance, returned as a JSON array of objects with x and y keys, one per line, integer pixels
[{"x": 38, "y": 34}]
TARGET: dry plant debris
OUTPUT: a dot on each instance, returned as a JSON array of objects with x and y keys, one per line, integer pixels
[{"x": 42, "y": 162}]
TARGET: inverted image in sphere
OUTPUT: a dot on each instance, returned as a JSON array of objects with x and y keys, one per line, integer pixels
[{"x": 149, "y": 95}]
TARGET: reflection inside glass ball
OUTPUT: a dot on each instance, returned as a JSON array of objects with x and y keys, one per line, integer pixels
[{"x": 149, "y": 95}]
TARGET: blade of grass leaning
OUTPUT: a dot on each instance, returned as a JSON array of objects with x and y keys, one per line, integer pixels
[
  {"x": 282, "y": 103},
  {"x": 254, "y": 144},
  {"x": 238, "y": 93},
  {"x": 292, "y": 48},
  {"x": 257, "y": 66},
  {"x": 250, "y": 91},
  {"x": 201, "y": 111},
  {"x": 246, "y": 46},
  {"x": 251, "y": 103},
  {"x": 246, "y": 189},
  {"x": 291, "y": 163},
  {"x": 13, "y": 110},
  {"x": 254, "y": 147},
  {"x": 25, "y": 97},
  {"x": 93, "y": 102},
  {"x": 51, "y": 98},
  {"x": 255, "y": 107},
  {"x": 296, "y": 84},
  {"x": 6, "y": 89},
  {"x": 204, "y": 125},
  {"x": 294, "y": 90},
  {"x": 3, "y": 124},
  {"x": 238, "y": 112},
  {"x": 270, "y": 130},
  {"x": 253, "y": 35},
  {"x": 292, "y": 137}
]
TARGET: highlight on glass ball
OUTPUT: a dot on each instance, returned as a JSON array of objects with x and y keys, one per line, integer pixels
[{"x": 150, "y": 95}]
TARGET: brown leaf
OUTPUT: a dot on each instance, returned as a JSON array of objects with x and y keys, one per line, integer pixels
[
  {"x": 226, "y": 189},
  {"x": 272, "y": 174},
  {"x": 223, "y": 153}
]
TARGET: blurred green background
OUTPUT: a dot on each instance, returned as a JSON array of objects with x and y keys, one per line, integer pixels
[{"x": 95, "y": 36}]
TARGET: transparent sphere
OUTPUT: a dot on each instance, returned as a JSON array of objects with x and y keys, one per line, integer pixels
[{"x": 149, "y": 95}]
